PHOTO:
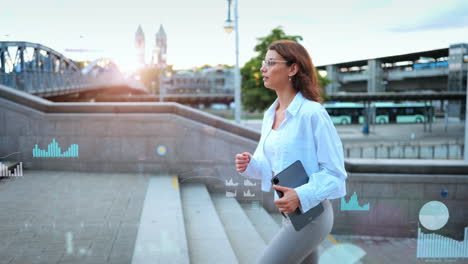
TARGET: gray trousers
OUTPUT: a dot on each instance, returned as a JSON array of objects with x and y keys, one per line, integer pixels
[{"x": 299, "y": 247}]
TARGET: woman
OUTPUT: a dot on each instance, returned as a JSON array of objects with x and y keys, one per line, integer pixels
[{"x": 296, "y": 127}]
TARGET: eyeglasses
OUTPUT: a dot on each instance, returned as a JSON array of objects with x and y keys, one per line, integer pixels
[{"x": 269, "y": 63}]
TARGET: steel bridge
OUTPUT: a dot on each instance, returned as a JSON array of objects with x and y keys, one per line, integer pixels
[{"x": 42, "y": 71}]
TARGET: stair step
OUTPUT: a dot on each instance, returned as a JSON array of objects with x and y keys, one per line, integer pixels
[
  {"x": 161, "y": 235},
  {"x": 207, "y": 240},
  {"x": 265, "y": 225},
  {"x": 244, "y": 238},
  {"x": 277, "y": 217}
]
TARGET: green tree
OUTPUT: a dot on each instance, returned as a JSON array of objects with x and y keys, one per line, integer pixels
[
  {"x": 254, "y": 95},
  {"x": 82, "y": 64},
  {"x": 149, "y": 77}
]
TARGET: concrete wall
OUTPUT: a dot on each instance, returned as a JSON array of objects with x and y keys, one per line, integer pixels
[
  {"x": 457, "y": 67},
  {"x": 397, "y": 189},
  {"x": 353, "y": 83},
  {"x": 375, "y": 77},
  {"x": 438, "y": 83},
  {"x": 355, "y": 87},
  {"x": 123, "y": 137},
  {"x": 332, "y": 74}
]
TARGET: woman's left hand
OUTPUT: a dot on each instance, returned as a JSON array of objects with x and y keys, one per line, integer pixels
[{"x": 289, "y": 202}]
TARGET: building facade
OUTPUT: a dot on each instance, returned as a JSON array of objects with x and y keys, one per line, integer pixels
[{"x": 434, "y": 70}]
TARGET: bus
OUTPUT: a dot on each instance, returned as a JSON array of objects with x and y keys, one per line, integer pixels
[
  {"x": 401, "y": 113},
  {"x": 345, "y": 113},
  {"x": 383, "y": 112}
]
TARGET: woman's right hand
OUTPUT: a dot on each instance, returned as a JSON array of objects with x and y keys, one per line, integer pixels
[{"x": 242, "y": 160}]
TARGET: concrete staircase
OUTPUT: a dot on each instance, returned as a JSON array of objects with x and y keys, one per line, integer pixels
[{"x": 195, "y": 226}]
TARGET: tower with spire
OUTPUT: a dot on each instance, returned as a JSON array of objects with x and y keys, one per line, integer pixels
[
  {"x": 161, "y": 46},
  {"x": 140, "y": 45}
]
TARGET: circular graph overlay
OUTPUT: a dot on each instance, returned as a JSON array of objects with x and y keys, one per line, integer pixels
[
  {"x": 161, "y": 150},
  {"x": 433, "y": 215}
]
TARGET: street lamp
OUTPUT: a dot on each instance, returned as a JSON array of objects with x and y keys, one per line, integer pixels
[
  {"x": 465, "y": 156},
  {"x": 229, "y": 26}
]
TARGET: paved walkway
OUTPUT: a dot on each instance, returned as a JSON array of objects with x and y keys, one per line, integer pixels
[
  {"x": 390, "y": 250},
  {"x": 392, "y": 132},
  {"x": 68, "y": 217}
]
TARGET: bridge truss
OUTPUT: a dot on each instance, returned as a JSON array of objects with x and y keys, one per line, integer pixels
[{"x": 42, "y": 71}]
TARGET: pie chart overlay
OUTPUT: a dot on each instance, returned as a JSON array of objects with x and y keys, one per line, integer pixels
[{"x": 433, "y": 215}]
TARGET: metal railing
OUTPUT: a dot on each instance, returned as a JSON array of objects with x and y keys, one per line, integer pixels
[{"x": 405, "y": 150}]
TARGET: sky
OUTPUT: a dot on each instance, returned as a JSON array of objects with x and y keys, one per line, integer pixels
[{"x": 333, "y": 30}]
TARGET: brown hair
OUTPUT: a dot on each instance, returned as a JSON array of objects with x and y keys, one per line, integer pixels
[{"x": 305, "y": 80}]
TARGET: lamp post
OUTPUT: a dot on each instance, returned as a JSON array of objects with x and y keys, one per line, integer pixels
[
  {"x": 162, "y": 75},
  {"x": 229, "y": 26},
  {"x": 465, "y": 155}
]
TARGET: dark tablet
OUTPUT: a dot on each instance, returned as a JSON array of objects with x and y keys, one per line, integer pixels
[{"x": 292, "y": 177}]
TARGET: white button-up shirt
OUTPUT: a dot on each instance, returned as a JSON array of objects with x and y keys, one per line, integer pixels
[{"x": 306, "y": 134}]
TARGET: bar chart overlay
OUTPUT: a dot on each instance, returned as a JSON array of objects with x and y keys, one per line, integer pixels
[
  {"x": 437, "y": 246},
  {"x": 353, "y": 204},
  {"x": 17, "y": 172},
  {"x": 54, "y": 151}
]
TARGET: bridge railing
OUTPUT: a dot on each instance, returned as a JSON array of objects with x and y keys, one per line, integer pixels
[
  {"x": 36, "y": 69},
  {"x": 47, "y": 82}
]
